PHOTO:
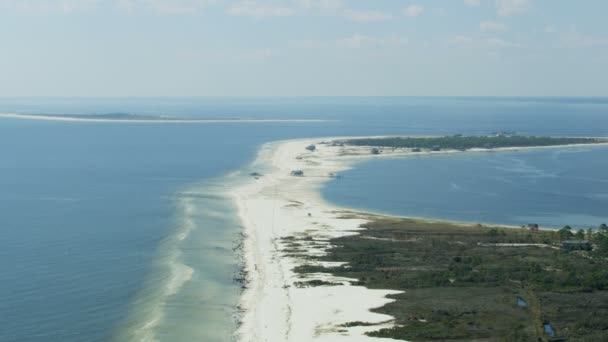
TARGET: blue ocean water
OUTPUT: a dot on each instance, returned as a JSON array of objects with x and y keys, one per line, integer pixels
[
  {"x": 553, "y": 187},
  {"x": 119, "y": 231}
]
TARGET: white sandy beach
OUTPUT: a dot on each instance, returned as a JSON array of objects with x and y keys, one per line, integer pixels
[
  {"x": 277, "y": 206},
  {"x": 159, "y": 120}
]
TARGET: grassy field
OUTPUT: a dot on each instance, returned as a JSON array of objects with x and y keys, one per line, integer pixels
[{"x": 461, "y": 284}]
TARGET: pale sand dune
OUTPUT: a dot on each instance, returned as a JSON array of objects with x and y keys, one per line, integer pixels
[
  {"x": 277, "y": 206},
  {"x": 275, "y": 309},
  {"x": 159, "y": 120}
]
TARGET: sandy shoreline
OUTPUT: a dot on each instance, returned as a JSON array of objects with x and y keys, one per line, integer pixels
[
  {"x": 278, "y": 206},
  {"x": 160, "y": 120}
]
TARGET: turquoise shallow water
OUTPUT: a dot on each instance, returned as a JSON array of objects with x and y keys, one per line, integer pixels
[
  {"x": 190, "y": 291},
  {"x": 121, "y": 231}
]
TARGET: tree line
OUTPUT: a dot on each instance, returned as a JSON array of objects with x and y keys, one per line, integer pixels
[{"x": 468, "y": 142}]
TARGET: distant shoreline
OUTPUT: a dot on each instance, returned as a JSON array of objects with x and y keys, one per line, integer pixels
[{"x": 144, "y": 119}]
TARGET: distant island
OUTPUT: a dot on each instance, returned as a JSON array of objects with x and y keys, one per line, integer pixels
[
  {"x": 460, "y": 142},
  {"x": 110, "y": 116},
  {"x": 126, "y": 117}
]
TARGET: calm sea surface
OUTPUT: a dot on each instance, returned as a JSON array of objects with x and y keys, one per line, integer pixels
[
  {"x": 553, "y": 187},
  {"x": 118, "y": 231}
]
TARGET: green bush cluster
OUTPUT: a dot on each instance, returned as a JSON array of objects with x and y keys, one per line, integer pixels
[{"x": 459, "y": 261}]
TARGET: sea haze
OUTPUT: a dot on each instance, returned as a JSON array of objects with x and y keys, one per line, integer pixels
[{"x": 123, "y": 231}]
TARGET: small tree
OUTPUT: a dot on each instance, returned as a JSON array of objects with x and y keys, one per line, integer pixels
[
  {"x": 602, "y": 242},
  {"x": 580, "y": 234},
  {"x": 565, "y": 233}
]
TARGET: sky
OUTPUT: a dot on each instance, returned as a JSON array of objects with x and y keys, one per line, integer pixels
[{"x": 138, "y": 48}]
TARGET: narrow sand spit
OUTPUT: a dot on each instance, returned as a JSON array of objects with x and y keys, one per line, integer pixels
[
  {"x": 278, "y": 205},
  {"x": 144, "y": 120}
]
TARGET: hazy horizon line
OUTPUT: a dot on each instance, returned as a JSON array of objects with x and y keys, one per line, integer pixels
[{"x": 301, "y": 96}]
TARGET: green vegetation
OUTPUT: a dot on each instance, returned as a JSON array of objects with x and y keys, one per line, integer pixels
[
  {"x": 459, "y": 142},
  {"x": 462, "y": 282}
]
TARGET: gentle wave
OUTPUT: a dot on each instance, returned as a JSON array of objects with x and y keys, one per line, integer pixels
[
  {"x": 148, "y": 308},
  {"x": 191, "y": 293}
]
